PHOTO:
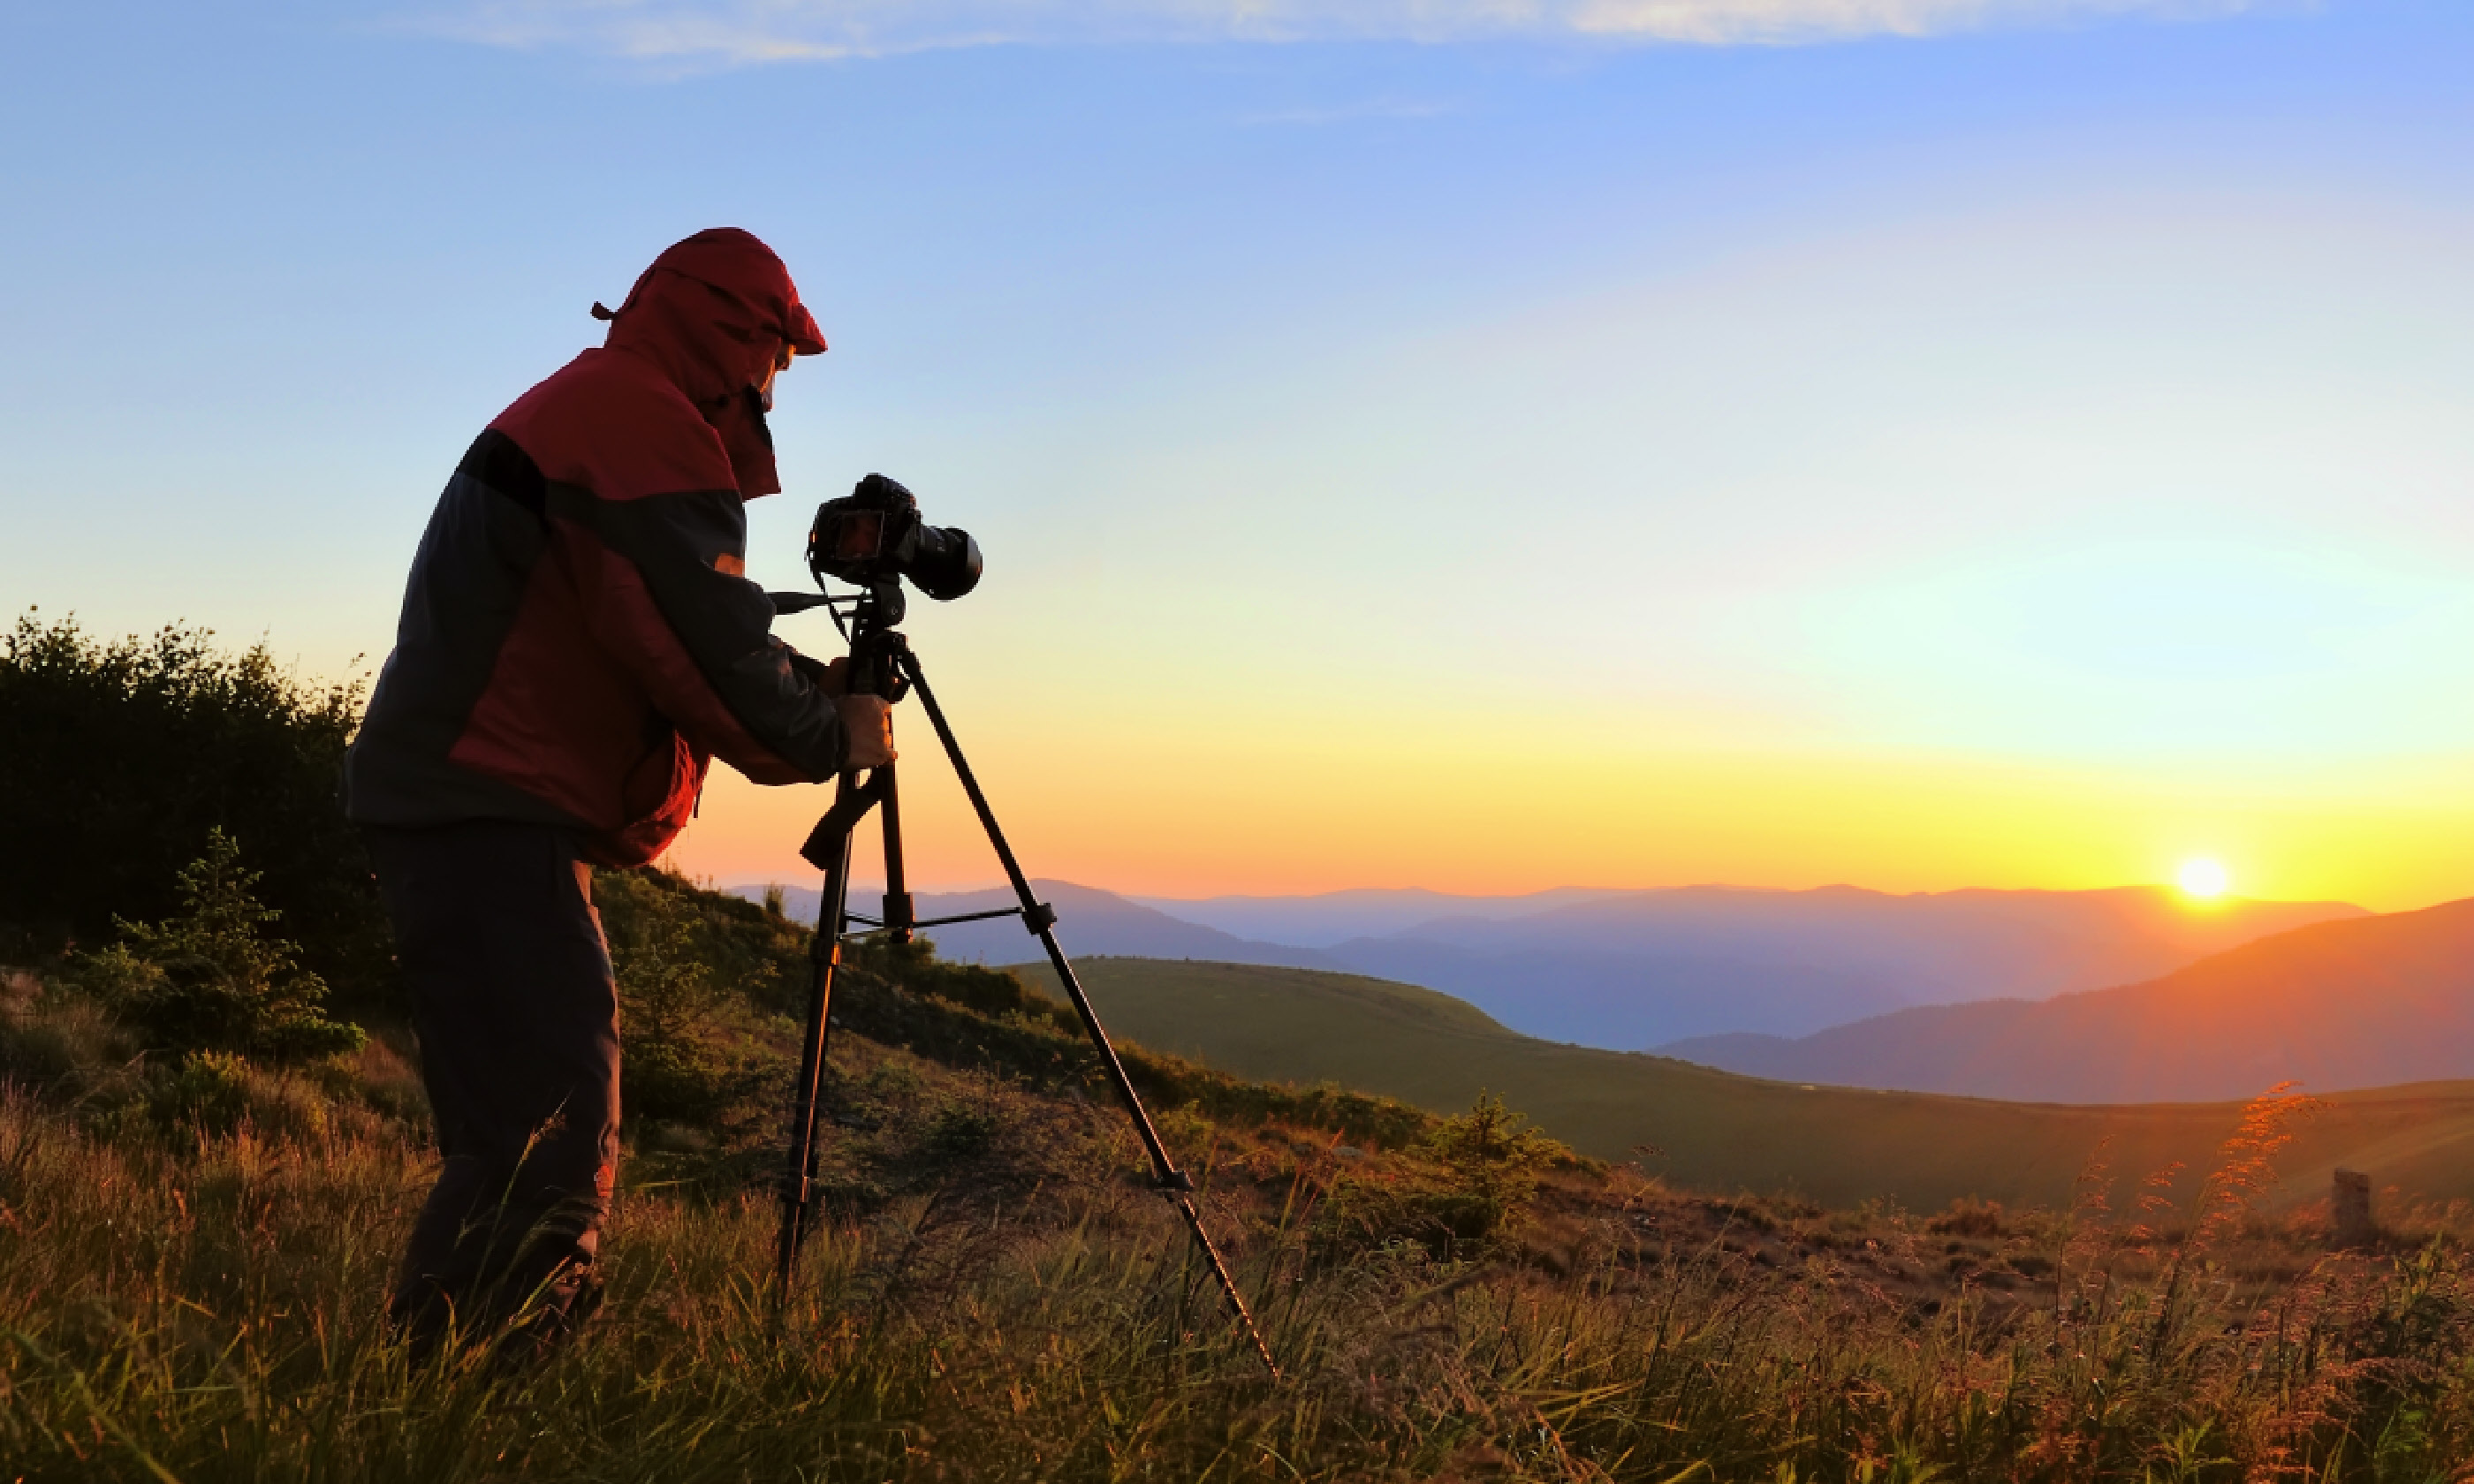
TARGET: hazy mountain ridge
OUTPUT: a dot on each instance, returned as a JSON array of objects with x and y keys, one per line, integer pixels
[
  {"x": 1629, "y": 969},
  {"x": 1328, "y": 917},
  {"x": 1646, "y": 968},
  {"x": 2366, "y": 1002},
  {"x": 1090, "y": 921}
]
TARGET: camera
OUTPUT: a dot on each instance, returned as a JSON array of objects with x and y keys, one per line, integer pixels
[{"x": 874, "y": 534}]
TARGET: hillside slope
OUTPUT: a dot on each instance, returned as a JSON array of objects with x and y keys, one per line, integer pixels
[
  {"x": 2363, "y": 1003},
  {"x": 1646, "y": 968},
  {"x": 1719, "y": 1131}
]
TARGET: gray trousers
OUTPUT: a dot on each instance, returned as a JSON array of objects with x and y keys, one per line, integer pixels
[{"x": 518, "y": 1016}]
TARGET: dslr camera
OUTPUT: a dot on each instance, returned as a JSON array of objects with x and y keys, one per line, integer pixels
[{"x": 874, "y": 534}]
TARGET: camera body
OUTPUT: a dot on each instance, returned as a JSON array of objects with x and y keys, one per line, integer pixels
[{"x": 874, "y": 534}]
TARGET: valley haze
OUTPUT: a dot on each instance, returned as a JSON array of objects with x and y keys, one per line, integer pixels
[{"x": 1634, "y": 970}]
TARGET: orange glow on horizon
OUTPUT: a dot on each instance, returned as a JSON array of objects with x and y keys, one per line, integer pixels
[{"x": 1206, "y": 819}]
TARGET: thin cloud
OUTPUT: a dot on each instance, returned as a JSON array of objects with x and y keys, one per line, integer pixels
[
  {"x": 1351, "y": 112},
  {"x": 739, "y": 32}
]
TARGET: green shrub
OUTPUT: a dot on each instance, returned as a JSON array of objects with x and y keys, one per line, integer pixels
[
  {"x": 209, "y": 979},
  {"x": 123, "y": 757},
  {"x": 1403, "y": 1207},
  {"x": 688, "y": 1056},
  {"x": 1968, "y": 1217},
  {"x": 957, "y": 1130},
  {"x": 1465, "y": 1192},
  {"x": 892, "y": 1079},
  {"x": 209, "y": 1091},
  {"x": 1493, "y": 1155},
  {"x": 216, "y": 1094}
]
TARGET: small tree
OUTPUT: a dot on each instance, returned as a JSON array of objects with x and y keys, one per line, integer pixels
[
  {"x": 209, "y": 979},
  {"x": 1494, "y": 1158},
  {"x": 1465, "y": 1192}
]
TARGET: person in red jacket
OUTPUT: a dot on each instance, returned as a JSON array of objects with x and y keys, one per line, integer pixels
[{"x": 577, "y": 643}]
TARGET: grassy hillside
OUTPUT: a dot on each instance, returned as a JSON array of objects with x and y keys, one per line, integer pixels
[
  {"x": 192, "y": 1248},
  {"x": 193, "y": 1243},
  {"x": 1715, "y": 1130}
]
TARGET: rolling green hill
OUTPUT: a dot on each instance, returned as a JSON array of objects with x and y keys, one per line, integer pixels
[{"x": 1719, "y": 1131}]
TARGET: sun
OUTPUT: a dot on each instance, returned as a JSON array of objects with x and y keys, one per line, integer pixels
[{"x": 2205, "y": 878}]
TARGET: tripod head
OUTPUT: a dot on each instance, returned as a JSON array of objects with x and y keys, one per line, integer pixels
[{"x": 866, "y": 620}]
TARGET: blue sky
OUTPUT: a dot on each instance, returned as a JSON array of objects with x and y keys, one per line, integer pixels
[{"x": 2021, "y": 408}]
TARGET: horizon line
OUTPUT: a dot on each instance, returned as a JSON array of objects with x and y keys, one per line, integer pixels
[{"x": 712, "y": 882}]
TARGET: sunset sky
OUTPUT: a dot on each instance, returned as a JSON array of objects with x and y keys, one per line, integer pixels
[{"x": 1488, "y": 446}]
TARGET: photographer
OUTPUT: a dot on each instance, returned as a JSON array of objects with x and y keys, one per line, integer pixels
[{"x": 576, "y": 643}]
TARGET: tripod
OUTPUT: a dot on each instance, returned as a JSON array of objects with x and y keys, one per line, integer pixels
[{"x": 882, "y": 664}]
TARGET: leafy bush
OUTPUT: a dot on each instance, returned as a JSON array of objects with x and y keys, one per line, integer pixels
[
  {"x": 121, "y": 757},
  {"x": 216, "y": 1094},
  {"x": 210, "y": 979},
  {"x": 1969, "y": 1217},
  {"x": 1493, "y": 1157},
  {"x": 209, "y": 1092},
  {"x": 688, "y": 1056},
  {"x": 1466, "y": 1190},
  {"x": 959, "y": 1130}
]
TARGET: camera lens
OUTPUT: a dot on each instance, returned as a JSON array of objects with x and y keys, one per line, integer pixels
[{"x": 945, "y": 563}]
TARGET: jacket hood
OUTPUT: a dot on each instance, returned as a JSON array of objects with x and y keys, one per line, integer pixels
[{"x": 709, "y": 313}]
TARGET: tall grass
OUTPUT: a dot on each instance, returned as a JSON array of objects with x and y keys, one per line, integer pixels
[{"x": 202, "y": 1306}]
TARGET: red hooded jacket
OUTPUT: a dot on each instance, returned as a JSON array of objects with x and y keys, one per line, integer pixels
[{"x": 577, "y": 641}]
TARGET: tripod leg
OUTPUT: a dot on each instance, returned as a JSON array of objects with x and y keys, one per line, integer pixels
[
  {"x": 824, "y": 956},
  {"x": 898, "y": 912},
  {"x": 1041, "y": 920}
]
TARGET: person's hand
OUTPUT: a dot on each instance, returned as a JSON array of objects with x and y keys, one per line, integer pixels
[
  {"x": 867, "y": 721},
  {"x": 831, "y": 676}
]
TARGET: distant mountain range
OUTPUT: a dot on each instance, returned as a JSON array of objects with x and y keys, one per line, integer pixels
[
  {"x": 1334, "y": 918},
  {"x": 1090, "y": 921},
  {"x": 1645, "y": 968},
  {"x": 2342, "y": 1004},
  {"x": 1629, "y": 969}
]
